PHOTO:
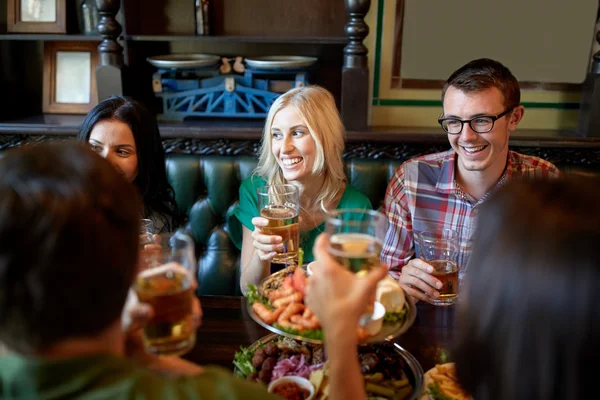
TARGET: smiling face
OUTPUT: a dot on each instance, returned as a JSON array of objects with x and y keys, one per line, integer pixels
[
  {"x": 292, "y": 144},
  {"x": 479, "y": 152},
  {"x": 114, "y": 141}
]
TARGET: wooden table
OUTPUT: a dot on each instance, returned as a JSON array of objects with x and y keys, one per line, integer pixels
[{"x": 226, "y": 326}]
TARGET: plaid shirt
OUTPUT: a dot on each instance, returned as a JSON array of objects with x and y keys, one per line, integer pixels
[{"x": 423, "y": 195}]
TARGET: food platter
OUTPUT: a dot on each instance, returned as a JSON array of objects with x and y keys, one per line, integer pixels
[
  {"x": 184, "y": 61},
  {"x": 280, "y": 62},
  {"x": 389, "y": 330},
  {"x": 410, "y": 367}
]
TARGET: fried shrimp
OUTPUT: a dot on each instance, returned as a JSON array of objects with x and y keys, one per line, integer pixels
[
  {"x": 292, "y": 298},
  {"x": 285, "y": 318},
  {"x": 265, "y": 314},
  {"x": 306, "y": 323}
]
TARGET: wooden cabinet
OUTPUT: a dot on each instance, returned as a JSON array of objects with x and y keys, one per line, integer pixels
[{"x": 244, "y": 28}]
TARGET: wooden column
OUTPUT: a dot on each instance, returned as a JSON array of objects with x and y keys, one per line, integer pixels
[
  {"x": 109, "y": 74},
  {"x": 355, "y": 71},
  {"x": 589, "y": 113}
]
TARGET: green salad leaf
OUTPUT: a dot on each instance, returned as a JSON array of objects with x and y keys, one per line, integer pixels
[
  {"x": 394, "y": 317},
  {"x": 436, "y": 393},
  {"x": 310, "y": 333},
  {"x": 243, "y": 362},
  {"x": 252, "y": 295}
]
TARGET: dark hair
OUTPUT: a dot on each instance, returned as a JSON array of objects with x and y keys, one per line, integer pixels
[
  {"x": 483, "y": 74},
  {"x": 151, "y": 180},
  {"x": 68, "y": 244},
  {"x": 530, "y": 322}
]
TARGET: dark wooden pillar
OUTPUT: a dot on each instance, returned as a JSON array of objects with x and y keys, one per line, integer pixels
[
  {"x": 589, "y": 113},
  {"x": 109, "y": 74},
  {"x": 355, "y": 71}
]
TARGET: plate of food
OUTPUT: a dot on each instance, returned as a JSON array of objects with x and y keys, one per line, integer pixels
[
  {"x": 277, "y": 304},
  {"x": 390, "y": 372},
  {"x": 440, "y": 383}
]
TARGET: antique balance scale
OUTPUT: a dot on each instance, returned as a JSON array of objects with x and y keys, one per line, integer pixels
[{"x": 198, "y": 85}]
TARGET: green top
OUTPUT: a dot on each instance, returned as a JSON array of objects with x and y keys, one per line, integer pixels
[
  {"x": 247, "y": 209},
  {"x": 109, "y": 377}
]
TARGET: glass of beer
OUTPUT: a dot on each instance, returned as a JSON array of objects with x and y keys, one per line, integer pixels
[
  {"x": 146, "y": 231},
  {"x": 439, "y": 248},
  {"x": 356, "y": 237},
  {"x": 165, "y": 281},
  {"x": 280, "y": 205}
]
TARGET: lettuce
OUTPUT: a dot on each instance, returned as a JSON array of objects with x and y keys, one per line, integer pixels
[
  {"x": 252, "y": 295},
  {"x": 316, "y": 334},
  {"x": 243, "y": 362},
  {"x": 394, "y": 317}
]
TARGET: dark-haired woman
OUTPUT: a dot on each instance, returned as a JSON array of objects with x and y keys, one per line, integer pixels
[
  {"x": 530, "y": 320},
  {"x": 125, "y": 133}
]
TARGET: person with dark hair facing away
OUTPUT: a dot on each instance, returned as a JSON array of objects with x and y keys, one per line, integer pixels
[
  {"x": 68, "y": 232},
  {"x": 530, "y": 328},
  {"x": 481, "y": 108},
  {"x": 126, "y": 134}
]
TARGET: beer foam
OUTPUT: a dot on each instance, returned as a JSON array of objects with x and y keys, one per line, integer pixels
[{"x": 163, "y": 269}]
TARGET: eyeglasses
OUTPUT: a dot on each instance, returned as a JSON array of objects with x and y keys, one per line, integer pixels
[{"x": 482, "y": 124}]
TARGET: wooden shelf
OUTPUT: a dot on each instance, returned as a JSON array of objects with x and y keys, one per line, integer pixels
[
  {"x": 341, "y": 40},
  {"x": 50, "y": 37}
]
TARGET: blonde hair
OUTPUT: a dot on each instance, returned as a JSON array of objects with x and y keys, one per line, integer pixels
[{"x": 316, "y": 106}]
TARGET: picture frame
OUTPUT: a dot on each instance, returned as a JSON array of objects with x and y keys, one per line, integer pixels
[
  {"x": 70, "y": 77},
  {"x": 36, "y": 16}
]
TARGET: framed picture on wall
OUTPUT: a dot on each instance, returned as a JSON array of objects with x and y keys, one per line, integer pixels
[
  {"x": 70, "y": 77},
  {"x": 36, "y": 16}
]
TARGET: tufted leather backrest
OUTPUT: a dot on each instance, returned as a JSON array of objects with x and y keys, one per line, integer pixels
[{"x": 206, "y": 190}]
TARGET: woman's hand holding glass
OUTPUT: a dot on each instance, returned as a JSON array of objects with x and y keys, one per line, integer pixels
[{"x": 267, "y": 246}]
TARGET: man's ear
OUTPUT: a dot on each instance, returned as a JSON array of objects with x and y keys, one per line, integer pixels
[{"x": 515, "y": 117}]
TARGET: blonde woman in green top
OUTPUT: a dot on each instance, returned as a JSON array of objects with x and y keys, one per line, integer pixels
[{"x": 303, "y": 141}]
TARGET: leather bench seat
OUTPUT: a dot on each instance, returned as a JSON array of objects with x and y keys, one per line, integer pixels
[{"x": 206, "y": 190}]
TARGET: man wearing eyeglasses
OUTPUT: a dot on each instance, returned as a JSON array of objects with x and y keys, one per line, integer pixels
[{"x": 481, "y": 107}]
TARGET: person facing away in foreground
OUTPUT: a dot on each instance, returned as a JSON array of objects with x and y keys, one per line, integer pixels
[
  {"x": 126, "y": 134},
  {"x": 481, "y": 108},
  {"x": 68, "y": 254},
  {"x": 69, "y": 229},
  {"x": 530, "y": 325},
  {"x": 302, "y": 144}
]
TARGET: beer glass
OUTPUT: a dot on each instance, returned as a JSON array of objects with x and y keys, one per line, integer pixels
[
  {"x": 165, "y": 281},
  {"x": 146, "y": 231},
  {"x": 439, "y": 248},
  {"x": 280, "y": 205},
  {"x": 356, "y": 237}
]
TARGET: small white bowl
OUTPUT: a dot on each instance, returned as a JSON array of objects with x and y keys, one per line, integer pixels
[
  {"x": 309, "y": 269},
  {"x": 372, "y": 323},
  {"x": 302, "y": 382}
]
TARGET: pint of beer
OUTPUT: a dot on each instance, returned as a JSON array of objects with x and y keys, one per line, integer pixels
[
  {"x": 280, "y": 205},
  {"x": 356, "y": 237},
  {"x": 166, "y": 283},
  {"x": 439, "y": 248}
]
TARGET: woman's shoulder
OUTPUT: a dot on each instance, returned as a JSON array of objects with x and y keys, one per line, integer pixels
[
  {"x": 253, "y": 182},
  {"x": 353, "y": 198}
]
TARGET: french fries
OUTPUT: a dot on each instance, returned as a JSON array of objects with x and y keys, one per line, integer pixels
[
  {"x": 445, "y": 376},
  {"x": 376, "y": 387}
]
